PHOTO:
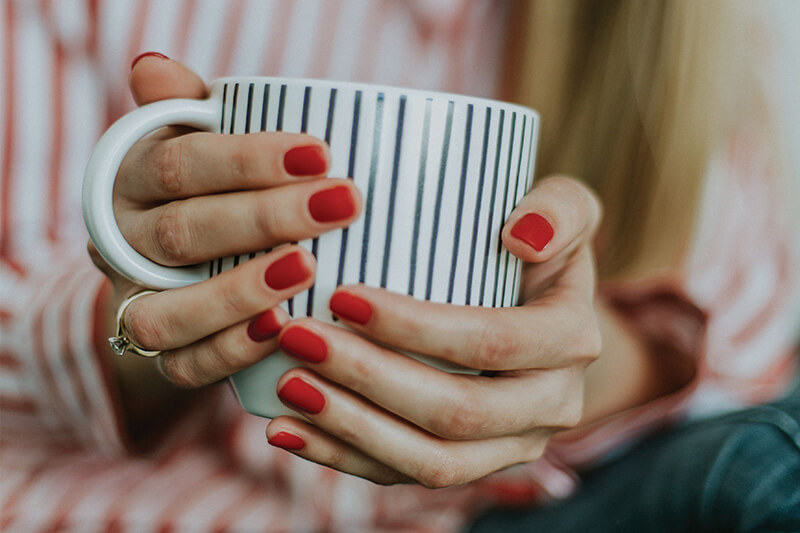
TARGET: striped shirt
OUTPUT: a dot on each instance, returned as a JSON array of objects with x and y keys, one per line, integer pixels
[{"x": 63, "y": 456}]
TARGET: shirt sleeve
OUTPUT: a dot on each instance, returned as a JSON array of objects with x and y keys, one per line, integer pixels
[{"x": 55, "y": 388}]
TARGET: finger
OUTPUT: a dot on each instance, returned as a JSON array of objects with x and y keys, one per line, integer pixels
[
  {"x": 546, "y": 334},
  {"x": 155, "y": 77},
  {"x": 432, "y": 461},
  {"x": 559, "y": 214},
  {"x": 224, "y": 353},
  {"x": 178, "y": 317},
  {"x": 453, "y": 406},
  {"x": 167, "y": 168},
  {"x": 206, "y": 227},
  {"x": 309, "y": 442}
]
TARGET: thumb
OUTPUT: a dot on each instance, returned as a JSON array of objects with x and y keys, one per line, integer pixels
[
  {"x": 156, "y": 77},
  {"x": 556, "y": 216}
]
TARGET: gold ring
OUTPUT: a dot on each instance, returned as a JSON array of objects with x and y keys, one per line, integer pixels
[{"x": 121, "y": 343}]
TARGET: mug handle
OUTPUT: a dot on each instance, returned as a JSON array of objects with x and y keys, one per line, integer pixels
[{"x": 98, "y": 187}]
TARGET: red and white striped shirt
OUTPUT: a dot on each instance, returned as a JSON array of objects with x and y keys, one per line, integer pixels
[{"x": 64, "y": 465}]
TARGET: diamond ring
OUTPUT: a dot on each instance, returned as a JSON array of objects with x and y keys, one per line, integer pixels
[{"x": 121, "y": 343}]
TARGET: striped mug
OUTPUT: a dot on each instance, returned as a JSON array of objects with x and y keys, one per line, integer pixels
[{"x": 439, "y": 174}]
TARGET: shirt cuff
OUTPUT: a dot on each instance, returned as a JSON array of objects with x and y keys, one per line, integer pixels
[{"x": 89, "y": 386}]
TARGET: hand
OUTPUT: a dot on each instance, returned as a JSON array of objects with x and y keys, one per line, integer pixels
[
  {"x": 381, "y": 415},
  {"x": 183, "y": 197}
]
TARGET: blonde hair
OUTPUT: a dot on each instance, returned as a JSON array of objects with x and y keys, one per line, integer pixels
[{"x": 634, "y": 96}]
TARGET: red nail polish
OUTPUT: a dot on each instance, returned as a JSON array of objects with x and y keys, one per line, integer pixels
[
  {"x": 305, "y": 344},
  {"x": 264, "y": 326},
  {"x": 534, "y": 230},
  {"x": 351, "y": 307},
  {"x": 287, "y": 441},
  {"x": 305, "y": 161},
  {"x": 331, "y": 205},
  {"x": 300, "y": 394},
  {"x": 147, "y": 54},
  {"x": 287, "y": 271}
]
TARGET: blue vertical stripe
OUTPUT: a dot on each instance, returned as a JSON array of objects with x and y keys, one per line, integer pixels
[
  {"x": 503, "y": 211},
  {"x": 393, "y": 190},
  {"x": 489, "y": 228},
  {"x": 460, "y": 205},
  {"x": 351, "y": 170},
  {"x": 315, "y": 242},
  {"x": 373, "y": 170},
  {"x": 423, "y": 162},
  {"x": 478, "y": 203},
  {"x": 448, "y": 128}
]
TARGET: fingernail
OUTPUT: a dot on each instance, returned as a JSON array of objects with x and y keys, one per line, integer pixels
[
  {"x": 331, "y": 205},
  {"x": 287, "y": 271},
  {"x": 305, "y": 161},
  {"x": 534, "y": 230},
  {"x": 351, "y": 307},
  {"x": 264, "y": 326},
  {"x": 305, "y": 344},
  {"x": 300, "y": 394},
  {"x": 147, "y": 54},
  {"x": 287, "y": 441}
]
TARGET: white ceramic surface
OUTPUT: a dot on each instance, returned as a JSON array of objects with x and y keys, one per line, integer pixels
[{"x": 439, "y": 174}]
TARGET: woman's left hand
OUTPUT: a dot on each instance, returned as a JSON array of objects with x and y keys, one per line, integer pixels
[{"x": 384, "y": 416}]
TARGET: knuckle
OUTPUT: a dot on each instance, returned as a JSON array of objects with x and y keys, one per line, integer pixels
[
  {"x": 173, "y": 235},
  {"x": 565, "y": 410},
  {"x": 461, "y": 418},
  {"x": 219, "y": 358},
  {"x": 335, "y": 458},
  {"x": 579, "y": 199},
  {"x": 588, "y": 339},
  {"x": 226, "y": 357},
  {"x": 496, "y": 343},
  {"x": 267, "y": 218},
  {"x": 145, "y": 329},
  {"x": 178, "y": 371},
  {"x": 235, "y": 301},
  {"x": 440, "y": 472},
  {"x": 582, "y": 328},
  {"x": 594, "y": 207},
  {"x": 571, "y": 411},
  {"x": 244, "y": 159},
  {"x": 171, "y": 167}
]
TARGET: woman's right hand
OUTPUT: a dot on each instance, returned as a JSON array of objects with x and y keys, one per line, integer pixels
[{"x": 183, "y": 197}]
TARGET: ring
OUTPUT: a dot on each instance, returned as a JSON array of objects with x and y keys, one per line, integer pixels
[{"x": 121, "y": 343}]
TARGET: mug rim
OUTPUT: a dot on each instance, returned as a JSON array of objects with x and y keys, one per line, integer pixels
[{"x": 375, "y": 87}]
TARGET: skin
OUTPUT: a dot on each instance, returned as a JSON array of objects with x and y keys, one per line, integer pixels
[{"x": 561, "y": 360}]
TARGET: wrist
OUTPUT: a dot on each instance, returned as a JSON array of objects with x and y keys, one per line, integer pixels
[{"x": 629, "y": 371}]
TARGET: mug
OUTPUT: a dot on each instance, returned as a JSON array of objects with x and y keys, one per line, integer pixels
[{"x": 439, "y": 174}]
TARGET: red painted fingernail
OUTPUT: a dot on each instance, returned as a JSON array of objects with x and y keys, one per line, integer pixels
[
  {"x": 534, "y": 230},
  {"x": 331, "y": 205},
  {"x": 287, "y": 441},
  {"x": 287, "y": 271},
  {"x": 264, "y": 326},
  {"x": 305, "y": 344},
  {"x": 300, "y": 394},
  {"x": 305, "y": 161},
  {"x": 147, "y": 54},
  {"x": 351, "y": 307}
]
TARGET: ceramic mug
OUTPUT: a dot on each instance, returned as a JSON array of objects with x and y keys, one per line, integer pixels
[{"x": 439, "y": 174}]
